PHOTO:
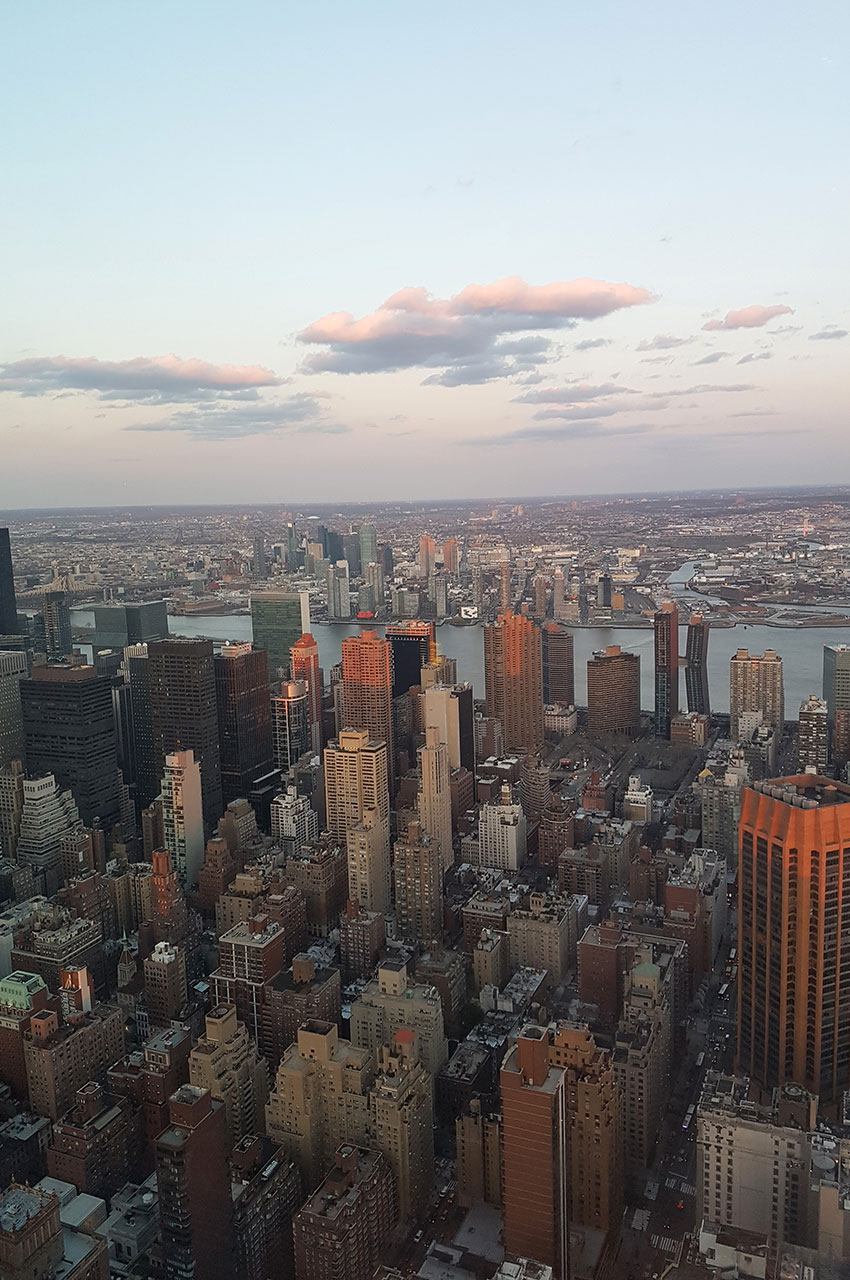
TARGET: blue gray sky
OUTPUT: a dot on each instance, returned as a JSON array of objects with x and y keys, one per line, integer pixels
[{"x": 279, "y": 252}]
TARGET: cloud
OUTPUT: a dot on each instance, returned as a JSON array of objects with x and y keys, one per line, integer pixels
[
  {"x": 748, "y": 317},
  {"x": 147, "y": 379},
  {"x": 662, "y": 342},
  {"x": 573, "y": 393},
  {"x": 830, "y": 331},
  {"x": 536, "y": 433},
  {"x": 755, "y": 355},
  {"x": 712, "y": 358},
  {"x": 301, "y": 412},
  {"x": 589, "y": 344},
  {"x": 469, "y": 331}
]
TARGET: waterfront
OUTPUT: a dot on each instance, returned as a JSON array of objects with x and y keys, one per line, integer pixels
[{"x": 801, "y": 649}]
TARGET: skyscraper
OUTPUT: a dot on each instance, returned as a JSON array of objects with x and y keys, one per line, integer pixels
[
  {"x": 793, "y": 913},
  {"x": 535, "y": 1153},
  {"x": 182, "y": 814},
  {"x": 367, "y": 688},
  {"x": 666, "y": 623},
  {"x": 450, "y": 708},
  {"x": 355, "y": 780},
  {"x": 339, "y": 590},
  {"x": 427, "y": 555},
  {"x": 558, "y": 666},
  {"x": 505, "y": 592},
  {"x": 184, "y": 716},
  {"x": 244, "y": 718},
  {"x": 418, "y": 875},
  {"x": 13, "y": 669},
  {"x": 69, "y": 726},
  {"x": 194, "y": 1188},
  {"x": 813, "y": 736},
  {"x": 368, "y": 857},
  {"x": 450, "y": 555},
  {"x": 836, "y": 692},
  {"x": 57, "y": 625},
  {"x": 368, "y": 544},
  {"x": 513, "y": 677},
  {"x": 755, "y": 685},
  {"x": 435, "y": 801},
  {"x": 278, "y": 618},
  {"x": 291, "y": 733},
  {"x": 413, "y": 647},
  {"x": 305, "y": 666},
  {"x": 696, "y": 669},
  {"x": 259, "y": 556},
  {"x": 8, "y": 601},
  {"x": 613, "y": 692},
  {"x": 344, "y": 1228}
]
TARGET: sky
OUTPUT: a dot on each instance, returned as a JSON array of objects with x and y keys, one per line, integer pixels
[{"x": 372, "y": 251}]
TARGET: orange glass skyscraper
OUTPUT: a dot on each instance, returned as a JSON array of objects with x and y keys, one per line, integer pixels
[
  {"x": 305, "y": 666},
  {"x": 794, "y": 934},
  {"x": 367, "y": 689},
  {"x": 513, "y": 676}
]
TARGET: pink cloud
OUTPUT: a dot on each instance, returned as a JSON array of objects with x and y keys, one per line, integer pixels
[
  {"x": 413, "y": 329},
  {"x": 748, "y": 317},
  {"x": 162, "y": 378}
]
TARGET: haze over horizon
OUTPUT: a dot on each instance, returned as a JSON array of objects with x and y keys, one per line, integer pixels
[{"x": 394, "y": 256}]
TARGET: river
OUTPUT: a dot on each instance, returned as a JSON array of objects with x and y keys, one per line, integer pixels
[{"x": 801, "y": 649}]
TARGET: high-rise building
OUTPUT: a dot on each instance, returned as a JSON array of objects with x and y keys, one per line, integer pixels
[
  {"x": 402, "y": 1117},
  {"x": 392, "y": 1003},
  {"x": 266, "y": 1193},
  {"x": 367, "y": 689},
  {"x": 541, "y": 596},
  {"x": 451, "y": 558},
  {"x": 505, "y": 591},
  {"x": 294, "y": 821},
  {"x": 8, "y": 601},
  {"x": 259, "y": 558},
  {"x": 368, "y": 544},
  {"x": 559, "y": 601},
  {"x": 291, "y": 731},
  {"x": 427, "y": 555},
  {"x": 413, "y": 647},
  {"x": 226, "y": 1061},
  {"x": 299, "y": 995},
  {"x": 836, "y": 693},
  {"x": 543, "y": 934},
  {"x": 182, "y": 814},
  {"x": 278, "y": 618},
  {"x": 793, "y": 907},
  {"x": 69, "y": 726},
  {"x": 435, "y": 801},
  {"x": 148, "y": 768},
  {"x": 813, "y": 736},
  {"x": 62, "y": 1056},
  {"x": 355, "y": 780},
  {"x": 184, "y": 716},
  {"x": 304, "y": 657},
  {"x": 696, "y": 668},
  {"x": 368, "y": 856},
  {"x": 535, "y": 1153},
  {"x": 339, "y": 590},
  {"x": 666, "y": 626},
  {"x": 418, "y": 875},
  {"x": 755, "y": 686},
  {"x": 344, "y": 1228},
  {"x": 13, "y": 669},
  {"x": 244, "y": 723},
  {"x": 478, "y": 1141},
  {"x": 249, "y": 955},
  {"x": 351, "y": 553},
  {"x": 513, "y": 675},
  {"x": 194, "y": 1188},
  {"x": 613, "y": 692},
  {"x": 119, "y": 626},
  {"x": 450, "y": 709},
  {"x": 558, "y": 666},
  {"x": 57, "y": 625},
  {"x": 166, "y": 987}
]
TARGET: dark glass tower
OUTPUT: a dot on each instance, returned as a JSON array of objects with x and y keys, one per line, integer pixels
[
  {"x": 413, "y": 646},
  {"x": 666, "y": 668},
  {"x": 183, "y": 711},
  {"x": 558, "y": 665},
  {"x": 69, "y": 726},
  {"x": 696, "y": 670},
  {"x": 8, "y": 603},
  {"x": 244, "y": 718}
]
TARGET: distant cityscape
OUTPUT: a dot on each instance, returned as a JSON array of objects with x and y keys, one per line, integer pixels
[{"x": 448, "y": 890}]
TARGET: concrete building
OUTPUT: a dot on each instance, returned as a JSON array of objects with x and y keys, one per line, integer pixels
[
  {"x": 294, "y": 821},
  {"x": 390, "y": 1003},
  {"x": 434, "y": 800},
  {"x": 543, "y": 935},
  {"x": 418, "y": 877},
  {"x": 13, "y": 669},
  {"x": 368, "y": 856},
  {"x": 166, "y": 988},
  {"x": 513, "y": 674},
  {"x": 356, "y": 779},
  {"x": 613, "y": 692},
  {"x": 813, "y": 736},
  {"x": 755, "y": 685},
  {"x": 225, "y": 1061},
  {"x": 345, "y": 1226},
  {"x": 478, "y": 1143},
  {"x": 183, "y": 815},
  {"x": 303, "y": 993},
  {"x": 291, "y": 730},
  {"x": 265, "y": 1190},
  {"x": 367, "y": 690},
  {"x": 450, "y": 708},
  {"x": 62, "y": 1057},
  {"x": 249, "y": 955},
  {"x": 402, "y": 1120},
  {"x": 836, "y": 694},
  {"x": 502, "y": 834}
]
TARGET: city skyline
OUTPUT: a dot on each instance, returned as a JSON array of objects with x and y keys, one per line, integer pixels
[{"x": 320, "y": 264}]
